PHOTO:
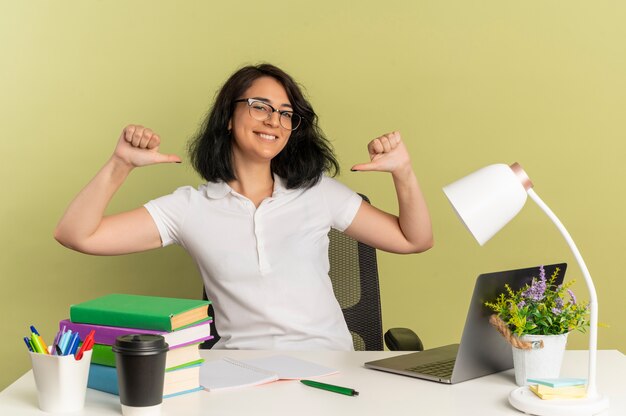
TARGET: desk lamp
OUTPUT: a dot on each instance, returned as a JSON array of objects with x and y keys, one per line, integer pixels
[{"x": 486, "y": 200}]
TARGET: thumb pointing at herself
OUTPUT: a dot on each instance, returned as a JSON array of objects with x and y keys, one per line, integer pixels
[
  {"x": 167, "y": 158},
  {"x": 139, "y": 146},
  {"x": 386, "y": 152}
]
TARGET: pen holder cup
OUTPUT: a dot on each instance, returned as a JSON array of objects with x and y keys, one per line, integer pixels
[{"x": 61, "y": 381}]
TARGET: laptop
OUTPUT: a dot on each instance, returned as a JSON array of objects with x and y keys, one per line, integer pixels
[{"x": 482, "y": 350}]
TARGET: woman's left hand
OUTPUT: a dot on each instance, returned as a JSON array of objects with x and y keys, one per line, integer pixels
[
  {"x": 387, "y": 154},
  {"x": 408, "y": 232}
]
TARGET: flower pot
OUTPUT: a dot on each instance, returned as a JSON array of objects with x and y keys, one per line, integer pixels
[{"x": 542, "y": 362}]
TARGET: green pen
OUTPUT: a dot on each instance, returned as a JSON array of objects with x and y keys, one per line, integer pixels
[
  {"x": 36, "y": 343},
  {"x": 336, "y": 389}
]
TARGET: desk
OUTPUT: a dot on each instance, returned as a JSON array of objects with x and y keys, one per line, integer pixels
[{"x": 380, "y": 393}]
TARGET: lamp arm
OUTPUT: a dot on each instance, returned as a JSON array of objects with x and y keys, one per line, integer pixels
[{"x": 593, "y": 301}]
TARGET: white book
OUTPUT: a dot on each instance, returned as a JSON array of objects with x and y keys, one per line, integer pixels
[
  {"x": 176, "y": 357},
  {"x": 227, "y": 373}
]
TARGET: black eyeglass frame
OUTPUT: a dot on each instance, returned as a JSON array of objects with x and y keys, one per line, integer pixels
[{"x": 250, "y": 101}]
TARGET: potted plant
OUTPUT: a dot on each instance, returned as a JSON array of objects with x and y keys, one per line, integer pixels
[{"x": 536, "y": 321}]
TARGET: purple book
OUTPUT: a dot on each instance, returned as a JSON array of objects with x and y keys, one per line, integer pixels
[{"x": 106, "y": 334}]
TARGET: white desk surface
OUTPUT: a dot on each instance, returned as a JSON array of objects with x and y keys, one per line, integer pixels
[{"x": 380, "y": 393}]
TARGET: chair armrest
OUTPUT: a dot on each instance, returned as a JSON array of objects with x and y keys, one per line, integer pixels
[{"x": 403, "y": 339}]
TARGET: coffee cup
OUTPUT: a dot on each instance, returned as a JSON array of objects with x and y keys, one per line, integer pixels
[{"x": 140, "y": 362}]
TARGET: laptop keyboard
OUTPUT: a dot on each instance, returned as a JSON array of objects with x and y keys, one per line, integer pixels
[{"x": 441, "y": 369}]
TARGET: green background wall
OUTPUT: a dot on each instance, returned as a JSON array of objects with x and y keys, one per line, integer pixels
[{"x": 466, "y": 83}]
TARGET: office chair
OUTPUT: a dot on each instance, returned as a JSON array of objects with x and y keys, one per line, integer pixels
[{"x": 354, "y": 276}]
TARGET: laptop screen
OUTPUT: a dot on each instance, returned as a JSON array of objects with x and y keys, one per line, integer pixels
[{"x": 483, "y": 350}]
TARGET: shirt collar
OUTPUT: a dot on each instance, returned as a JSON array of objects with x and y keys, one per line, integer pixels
[
  {"x": 218, "y": 190},
  {"x": 280, "y": 186}
]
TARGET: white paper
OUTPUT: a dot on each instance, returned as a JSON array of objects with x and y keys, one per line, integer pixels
[
  {"x": 290, "y": 368},
  {"x": 227, "y": 373}
]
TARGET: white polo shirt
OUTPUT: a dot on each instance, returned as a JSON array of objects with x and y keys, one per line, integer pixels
[{"x": 265, "y": 269}]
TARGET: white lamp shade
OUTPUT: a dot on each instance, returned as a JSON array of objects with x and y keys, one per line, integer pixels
[{"x": 487, "y": 199}]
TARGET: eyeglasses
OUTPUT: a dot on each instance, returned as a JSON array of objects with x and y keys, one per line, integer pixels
[{"x": 262, "y": 111}]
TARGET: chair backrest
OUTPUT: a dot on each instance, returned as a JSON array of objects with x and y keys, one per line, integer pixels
[
  {"x": 354, "y": 276},
  {"x": 207, "y": 345}
]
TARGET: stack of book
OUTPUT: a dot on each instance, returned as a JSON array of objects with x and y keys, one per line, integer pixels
[
  {"x": 184, "y": 323},
  {"x": 558, "y": 388}
]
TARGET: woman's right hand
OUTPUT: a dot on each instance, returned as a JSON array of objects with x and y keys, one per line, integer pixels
[
  {"x": 84, "y": 227},
  {"x": 139, "y": 146}
]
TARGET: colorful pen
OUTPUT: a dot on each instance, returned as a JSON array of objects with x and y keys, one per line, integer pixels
[
  {"x": 73, "y": 344},
  {"x": 329, "y": 387},
  {"x": 87, "y": 345},
  {"x": 42, "y": 345},
  {"x": 65, "y": 339},
  {"x": 27, "y": 341},
  {"x": 55, "y": 343},
  {"x": 37, "y": 347}
]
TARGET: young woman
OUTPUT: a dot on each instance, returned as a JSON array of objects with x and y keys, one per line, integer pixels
[{"x": 258, "y": 228}]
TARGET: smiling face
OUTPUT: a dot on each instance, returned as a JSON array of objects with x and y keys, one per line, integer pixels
[{"x": 257, "y": 141}]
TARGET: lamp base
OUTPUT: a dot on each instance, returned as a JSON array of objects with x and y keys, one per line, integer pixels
[{"x": 528, "y": 402}]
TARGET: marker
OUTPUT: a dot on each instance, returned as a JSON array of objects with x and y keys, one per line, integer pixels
[
  {"x": 37, "y": 347},
  {"x": 329, "y": 387},
  {"x": 65, "y": 338},
  {"x": 42, "y": 345},
  {"x": 27, "y": 341},
  {"x": 72, "y": 346},
  {"x": 55, "y": 343},
  {"x": 87, "y": 345}
]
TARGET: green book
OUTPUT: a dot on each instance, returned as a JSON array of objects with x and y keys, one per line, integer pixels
[
  {"x": 103, "y": 355},
  {"x": 176, "y": 358},
  {"x": 138, "y": 311}
]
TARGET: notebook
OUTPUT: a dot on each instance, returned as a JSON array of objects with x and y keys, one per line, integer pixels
[
  {"x": 482, "y": 350},
  {"x": 227, "y": 373}
]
